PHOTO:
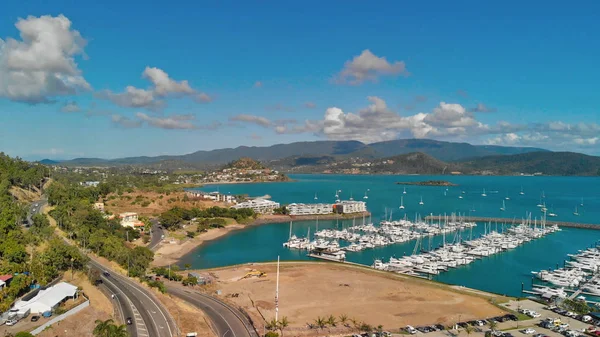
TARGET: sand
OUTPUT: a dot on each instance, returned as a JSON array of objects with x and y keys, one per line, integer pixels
[{"x": 310, "y": 290}]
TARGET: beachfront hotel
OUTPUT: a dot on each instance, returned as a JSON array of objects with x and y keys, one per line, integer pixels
[
  {"x": 350, "y": 206},
  {"x": 309, "y": 209},
  {"x": 260, "y": 206}
]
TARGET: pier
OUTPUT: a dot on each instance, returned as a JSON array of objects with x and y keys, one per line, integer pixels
[{"x": 517, "y": 221}]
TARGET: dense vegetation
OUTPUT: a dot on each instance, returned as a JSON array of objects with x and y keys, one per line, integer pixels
[
  {"x": 174, "y": 218},
  {"x": 34, "y": 255},
  {"x": 91, "y": 230}
]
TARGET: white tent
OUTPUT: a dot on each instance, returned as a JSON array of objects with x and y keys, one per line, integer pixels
[{"x": 47, "y": 299}]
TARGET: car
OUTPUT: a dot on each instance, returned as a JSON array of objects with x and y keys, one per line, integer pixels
[
  {"x": 11, "y": 322},
  {"x": 550, "y": 307},
  {"x": 410, "y": 330},
  {"x": 528, "y": 331},
  {"x": 586, "y": 318},
  {"x": 98, "y": 282},
  {"x": 106, "y": 273},
  {"x": 463, "y": 325},
  {"x": 440, "y": 327},
  {"x": 129, "y": 321},
  {"x": 564, "y": 326},
  {"x": 479, "y": 323},
  {"x": 507, "y": 334},
  {"x": 35, "y": 318},
  {"x": 534, "y": 314}
]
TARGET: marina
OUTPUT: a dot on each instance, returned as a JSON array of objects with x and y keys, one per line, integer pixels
[
  {"x": 519, "y": 220},
  {"x": 510, "y": 268}
]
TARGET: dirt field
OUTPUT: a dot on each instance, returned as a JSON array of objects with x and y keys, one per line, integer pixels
[
  {"x": 310, "y": 290},
  {"x": 81, "y": 324},
  {"x": 151, "y": 203}
]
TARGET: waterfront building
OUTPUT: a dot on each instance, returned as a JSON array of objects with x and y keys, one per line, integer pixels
[
  {"x": 350, "y": 206},
  {"x": 214, "y": 196},
  {"x": 260, "y": 206},
  {"x": 309, "y": 209},
  {"x": 130, "y": 219}
]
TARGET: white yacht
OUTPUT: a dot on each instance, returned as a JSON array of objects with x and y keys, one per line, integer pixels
[
  {"x": 576, "y": 213},
  {"x": 421, "y": 202},
  {"x": 366, "y": 196},
  {"x": 316, "y": 197},
  {"x": 402, "y": 202},
  {"x": 521, "y": 193},
  {"x": 503, "y": 208},
  {"x": 483, "y": 194},
  {"x": 405, "y": 193}
]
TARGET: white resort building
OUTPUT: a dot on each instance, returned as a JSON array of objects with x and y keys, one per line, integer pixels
[
  {"x": 309, "y": 209},
  {"x": 350, "y": 206},
  {"x": 214, "y": 196},
  {"x": 260, "y": 206}
]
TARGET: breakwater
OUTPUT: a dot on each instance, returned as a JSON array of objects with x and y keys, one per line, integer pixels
[{"x": 517, "y": 221}]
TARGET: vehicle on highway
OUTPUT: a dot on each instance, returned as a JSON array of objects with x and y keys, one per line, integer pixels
[
  {"x": 11, "y": 322},
  {"x": 98, "y": 282},
  {"x": 529, "y": 331},
  {"x": 106, "y": 273},
  {"x": 35, "y": 318},
  {"x": 129, "y": 321}
]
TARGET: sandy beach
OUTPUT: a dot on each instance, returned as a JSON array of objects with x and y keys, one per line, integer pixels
[{"x": 171, "y": 250}]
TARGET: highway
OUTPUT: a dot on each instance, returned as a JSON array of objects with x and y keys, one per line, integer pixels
[
  {"x": 149, "y": 316},
  {"x": 226, "y": 320},
  {"x": 35, "y": 208},
  {"x": 120, "y": 301}
]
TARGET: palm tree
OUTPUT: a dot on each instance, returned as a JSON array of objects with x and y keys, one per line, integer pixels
[
  {"x": 344, "y": 320},
  {"x": 272, "y": 325},
  {"x": 469, "y": 330},
  {"x": 331, "y": 320},
  {"x": 284, "y": 323},
  {"x": 320, "y": 322},
  {"x": 118, "y": 331},
  {"x": 102, "y": 328},
  {"x": 493, "y": 325}
]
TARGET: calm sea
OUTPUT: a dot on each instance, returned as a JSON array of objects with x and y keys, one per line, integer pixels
[{"x": 502, "y": 273}]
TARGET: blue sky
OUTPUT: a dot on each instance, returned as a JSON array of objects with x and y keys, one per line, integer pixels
[{"x": 261, "y": 73}]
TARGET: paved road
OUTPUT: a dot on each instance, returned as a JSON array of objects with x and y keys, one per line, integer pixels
[
  {"x": 157, "y": 234},
  {"x": 226, "y": 320},
  {"x": 125, "y": 307},
  {"x": 150, "y": 317},
  {"x": 35, "y": 208}
]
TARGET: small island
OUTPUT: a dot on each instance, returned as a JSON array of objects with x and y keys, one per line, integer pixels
[{"x": 427, "y": 183}]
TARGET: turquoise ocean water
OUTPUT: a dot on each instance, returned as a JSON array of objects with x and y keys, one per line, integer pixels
[{"x": 502, "y": 273}]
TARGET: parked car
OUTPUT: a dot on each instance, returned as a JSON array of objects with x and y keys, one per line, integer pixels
[
  {"x": 410, "y": 330},
  {"x": 35, "y": 318},
  {"x": 528, "y": 331},
  {"x": 440, "y": 327},
  {"x": 11, "y": 322},
  {"x": 586, "y": 318},
  {"x": 534, "y": 314}
]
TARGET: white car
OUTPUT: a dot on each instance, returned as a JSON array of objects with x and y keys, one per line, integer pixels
[
  {"x": 529, "y": 331},
  {"x": 411, "y": 330},
  {"x": 11, "y": 322},
  {"x": 534, "y": 314}
]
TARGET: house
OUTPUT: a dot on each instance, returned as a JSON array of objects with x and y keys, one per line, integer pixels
[
  {"x": 90, "y": 183},
  {"x": 47, "y": 299},
  {"x": 214, "y": 196},
  {"x": 201, "y": 279},
  {"x": 99, "y": 206},
  {"x": 5, "y": 280},
  {"x": 260, "y": 206},
  {"x": 130, "y": 219},
  {"x": 350, "y": 206}
]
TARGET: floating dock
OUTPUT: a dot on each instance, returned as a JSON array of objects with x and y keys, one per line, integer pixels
[{"x": 517, "y": 221}]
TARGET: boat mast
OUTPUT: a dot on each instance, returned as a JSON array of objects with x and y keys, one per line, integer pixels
[
  {"x": 290, "y": 237},
  {"x": 277, "y": 293}
]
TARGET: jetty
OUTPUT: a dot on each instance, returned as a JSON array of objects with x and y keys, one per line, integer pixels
[{"x": 517, "y": 221}]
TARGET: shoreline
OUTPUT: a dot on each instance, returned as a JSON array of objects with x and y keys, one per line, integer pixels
[{"x": 172, "y": 253}]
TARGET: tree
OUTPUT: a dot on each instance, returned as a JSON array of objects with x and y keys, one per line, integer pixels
[
  {"x": 118, "y": 331},
  {"x": 331, "y": 320},
  {"x": 187, "y": 266},
  {"x": 320, "y": 322},
  {"x": 272, "y": 325},
  {"x": 344, "y": 320},
  {"x": 284, "y": 323},
  {"x": 493, "y": 325},
  {"x": 469, "y": 330},
  {"x": 102, "y": 328}
]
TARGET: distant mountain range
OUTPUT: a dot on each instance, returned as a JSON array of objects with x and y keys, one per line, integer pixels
[{"x": 445, "y": 151}]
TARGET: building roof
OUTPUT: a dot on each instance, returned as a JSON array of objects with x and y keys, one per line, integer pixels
[
  {"x": 48, "y": 298},
  {"x": 124, "y": 214},
  {"x": 5, "y": 277}
]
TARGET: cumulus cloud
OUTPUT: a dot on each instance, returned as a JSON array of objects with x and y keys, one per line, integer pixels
[
  {"x": 482, "y": 108},
  {"x": 163, "y": 86},
  {"x": 168, "y": 122},
  {"x": 258, "y": 120},
  {"x": 369, "y": 67},
  {"x": 310, "y": 105},
  {"x": 41, "y": 65},
  {"x": 70, "y": 107},
  {"x": 125, "y": 122}
]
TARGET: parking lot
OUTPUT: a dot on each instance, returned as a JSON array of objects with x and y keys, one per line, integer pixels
[{"x": 507, "y": 327}]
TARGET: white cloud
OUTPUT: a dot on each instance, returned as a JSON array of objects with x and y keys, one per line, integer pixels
[
  {"x": 70, "y": 107},
  {"x": 168, "y": 122},
  {"x": 42, "y": 64},
  {"x": 450, "y": 115},
  {"x": 258, "y": 120},
  {"x": 152, "y": 98},
  {"x": 125, "y": 122},
  {"x": 369, "y": 67}
]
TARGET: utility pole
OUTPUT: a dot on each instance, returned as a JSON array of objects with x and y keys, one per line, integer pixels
[
  {"x": 127, "y": 233},
  {"x": 277, "y": 293}
]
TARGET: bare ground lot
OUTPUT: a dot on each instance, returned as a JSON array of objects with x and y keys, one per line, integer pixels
[{"x": 310, "y": 290}]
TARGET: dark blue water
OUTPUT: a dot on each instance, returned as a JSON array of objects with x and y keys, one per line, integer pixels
[{"x": 502, "y": 273}]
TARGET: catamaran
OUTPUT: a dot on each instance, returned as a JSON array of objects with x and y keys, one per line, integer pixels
[
  {"x": 402, "y": 202},
  {"x": 503, "y": 208}
]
